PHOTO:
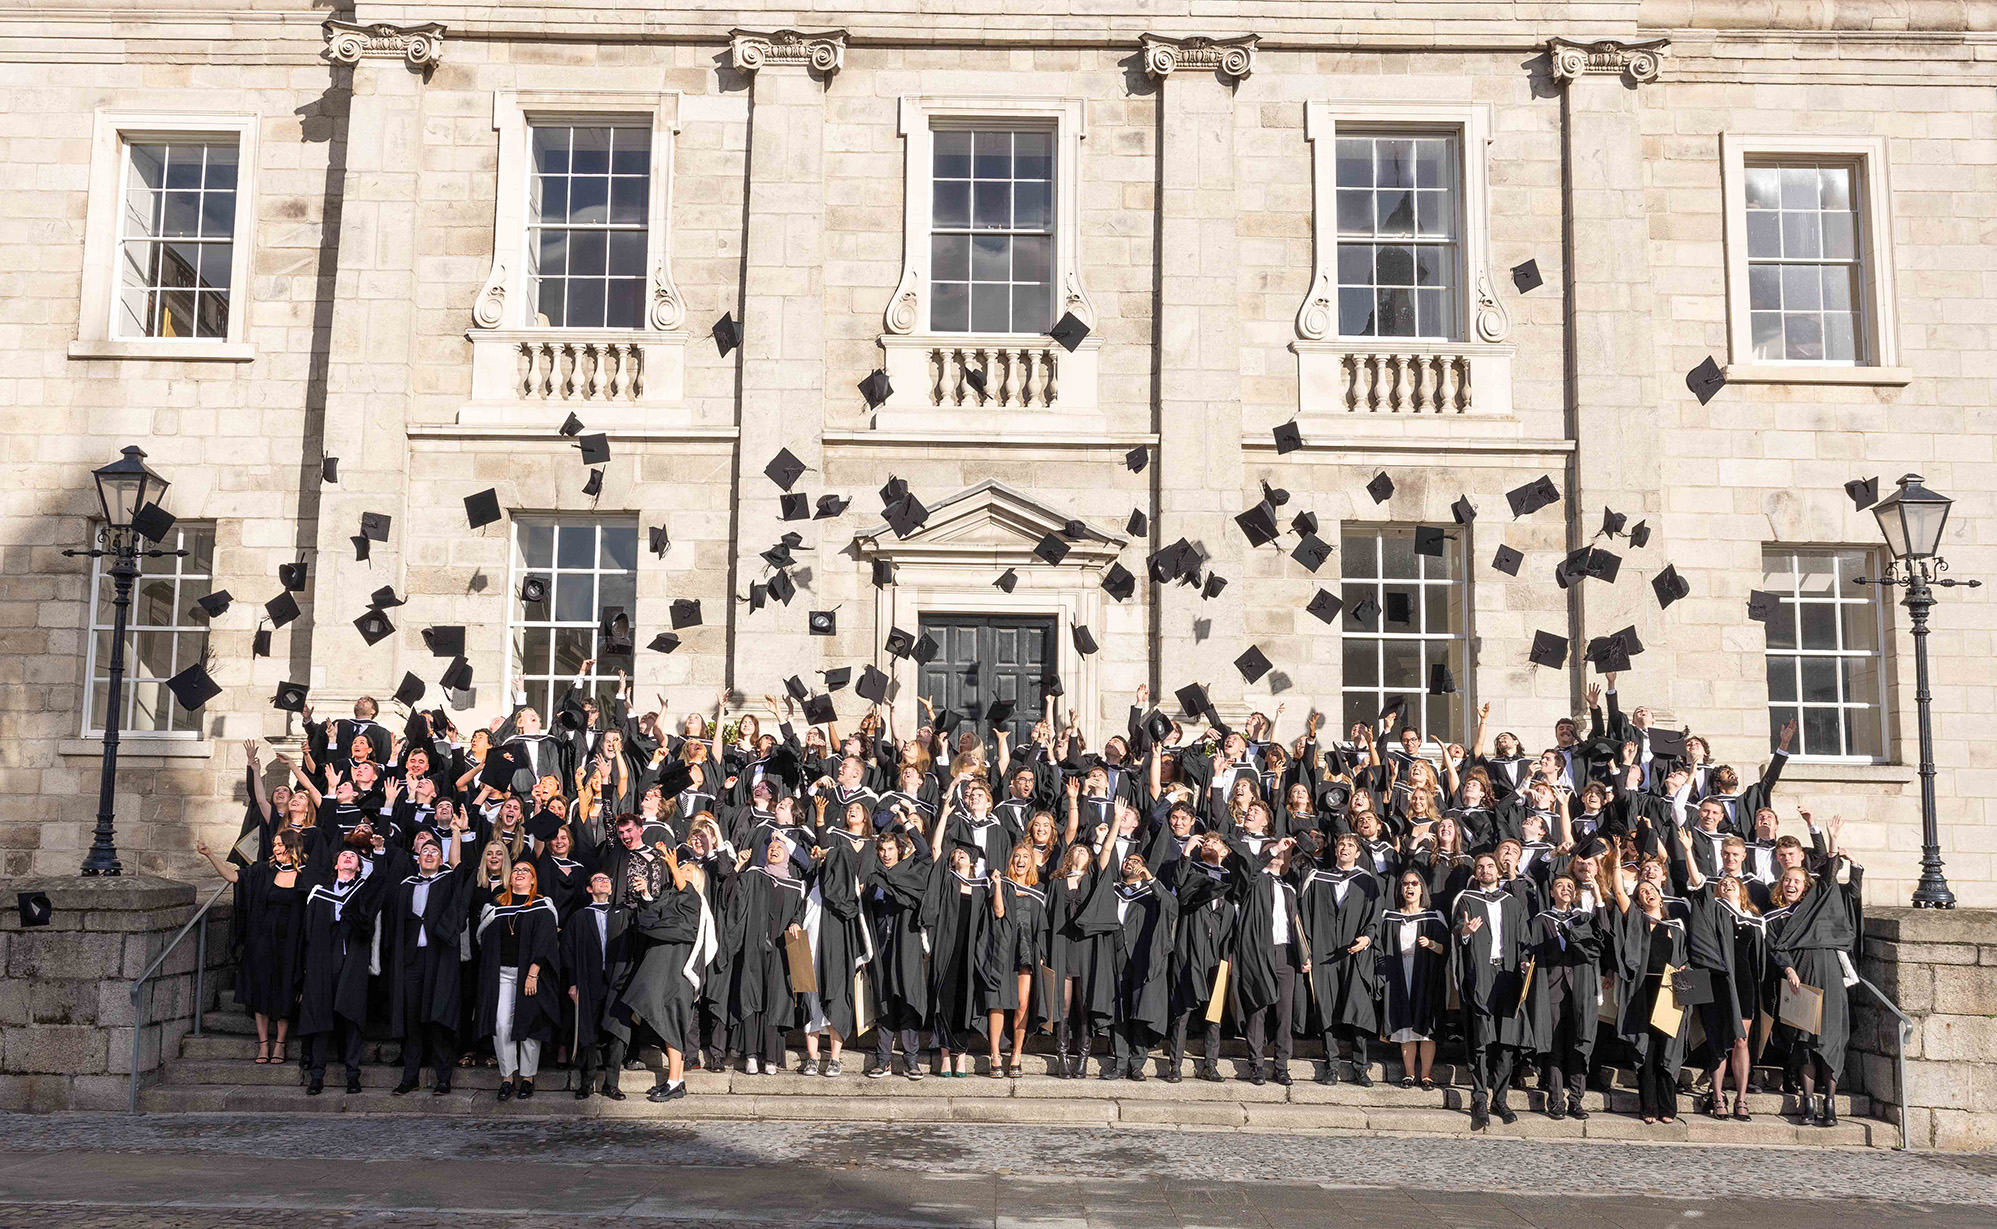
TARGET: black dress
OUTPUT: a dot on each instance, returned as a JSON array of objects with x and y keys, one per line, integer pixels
[
  {"x": 1414, "y": 987},
  {"x": 273, "y": 941},
  {"x": 957, "y": 914}
]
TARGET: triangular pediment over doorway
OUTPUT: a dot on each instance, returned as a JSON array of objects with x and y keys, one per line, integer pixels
[{"x": 992, "y": 522}]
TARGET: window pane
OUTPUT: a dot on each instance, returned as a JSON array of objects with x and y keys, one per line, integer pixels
[
  {"x": 575, "y": 598},
  {"x": 1764, "y": 234},
  {"x": 1821, "y": 732},
  {"x": 1360, "y": 554},
  {"x": 951, "y": 309},
  {"x": 620, "y": 548},
  {"x": 1032, "y": 258},
  {"x": 991, "y": 258},
  {"x": 1400, "y": 663},
  {"x": 991, "y": 206},
  {"x": 1394, "y": 163},
  {"x": 1355, "y": 312},
  {"x": 1362, "y": 665},
  {"x": 952, "y": 156},
  {"x": 951, "y": 204},
  {"x": 591, "y": 151},
  {"x": 991, "y": 308},
  {"x": 572, "y": 646},
  {"x": 537, "y": 545},
  {"x": 1033, "y": 155},
  {"x": 1397, "y": 555},
  {"x": 1819, "y": 625},
  {"x": 1764, "y": 190},
  {"x": 578, "y": 546},
  {"x": 1781, "y": 678},
  {"x": 1355, "y": 212},
  {"x": 1820, "y": 680},
  {"x": 1355, "y": 162}
]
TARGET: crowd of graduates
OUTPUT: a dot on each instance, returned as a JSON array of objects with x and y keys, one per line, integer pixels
[{"x": 619, "y": 889}]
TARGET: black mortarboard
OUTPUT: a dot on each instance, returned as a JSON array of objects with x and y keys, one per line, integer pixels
[
  {"x": 1074, "y": 531},
  {"x": 784, "y": 469},
  {"x": 1325, "y": 605},
  {"x": 192, "y": 686},
  {"x": 501, "y": 763},
  {"x": 614, "y": 625},
  {"x": 1761, "y": 607},
  {"x": 1669, "y": 586},
  {"x": 1215, "y": 583},
  {"x": 1258, "y": 524},
  {"x": 1158, "y": 726},
  {"x": 876, "y": 389},
  {"x": 998, "y": 712},
  {"x": 1706, "y": 380},
  {"x": 282, "y": 609},
  {"x": 411, "y": 690},
  {"x": 1612, "y": 522},
  {"x": 1138, "y": 525},
  {"x": 883, "y": 573},
  {"x": 1394, "y": 704},
  {"x": 819, "y": 710},
  {"x": 837, "y": 677},
  {"x": 1667, "y": 744},
  {"x": 759, "y": 595},
  {"x": 458, "y": 675},
  {"x": 829, "y": 506},
  {"x": 658, "y": 539},
  {"x": 1137, "y": 458},
  {"x": 383, "y": 598},
  {"x": 894, "y": 488},
  {"x": 214, "y": 604},
  {"x": 374, "y": 627},
  {"x": 293, "y": 575},
  {"x": 1440, "y": 681},
  {"x": 795, "y": 688},
  {"x": 1069, "y": 331},
  {"x": 290, "y": 697},
  {"x": 447, "y": 641},
  {"x": 1591, "y": 847},
  {"x": 873, "y": 685},
  {"x": 1304, "y": 523},
  {"x": 1252, "y": 664},
  {"x": 1007, "y": 580},
  {"x": 1363, "y": 611},
  {"x": 1526, "y": 277},
  {"x": 152, "y": 523},
  {"x": 905, "y": 515},
  {"x": 1118, "y": 582},
  {"x": 1312, "y": 551},
  {"x": 674, "y": 777},
  {"x": 1573, "y": 568},
  {"x": 374, "y": 526},
  {"x": 779, "y": 556},
  {"x": 260, "y": 643},
  {"x": 1430, "y": 541},
  {"x": 1630, "y": 640},
  {"x": 1864, "y": 492},
  {"x": 1400, "y": 608},
  {"x": 1277, "y": 496},
  {"x": 975, "y": 377},
  {"x": 1288, "y": 438},
  {"x": 1507, "y": 560},
  {"x": 483, "y": 508},
  {"x": 685, "y": 612},
  {"x": 664, "y": 642},
  {"x": 1085, "y": 644},
  {"x": 925, "y": 649},
  {"x": 794, "y": 506},
  {"x": 822, "y": 622},
  {"x": 1613, "y": 658},
  {"x": 329, "y": 469},
  {"x": 1052, "y": 548},
  {"x": 1639, "y": 534},
  {"x": 1602, "y": 565},
  {"x": 593, "y": 485},
  {"x": 34, "y": 908},
  {"x": 362, "y": 548},
  {"x": 1533, "y": 496},
  {"x": 1193, "y": 699},
  {"x": 1463, "y": 510},
  {"x": 1381, "y": 488},
  {"x": 572, "y": 425},
  {"x": 1548, "y": 649},
  {"x": 727, "y": 334},
  {"x": 898, "y": 643}
]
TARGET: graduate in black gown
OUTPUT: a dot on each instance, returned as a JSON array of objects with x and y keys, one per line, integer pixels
[
  {"x": 1273, "y": 957},
  {"x": 1565, "y": 995},
  {"x": 1016, "y": 951},
  {"x": 1206, "y": 879},
  {"x": 1413, "y": 972},
  {"x": 1073, "y": 953},
  {"x": 333, "y": 1000},
  {"x": 592, "y": 951},
  {"x": 422, "y": 928},
  {"x": 897, "y": 882},
  {"x": 767, "y": 905},
  {"x": 957, "y": 916},
  {"x": 272, "y": 891},
  {"x": 657, "y": 1005},
  {"x": 519, "y": 1008},
  {"x": 841, "y": 944},
  {"x": 1489, "y": 924},
  {"x": 1341, "y": 908},
  {"x": 1647, "y": 944},
  {"x": 1137, "y": 917},
  {"x": 1817, "y": 945}
]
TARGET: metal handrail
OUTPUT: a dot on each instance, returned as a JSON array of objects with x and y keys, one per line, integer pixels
[
  {"x": 144, "y": 979},
  {"x": 1899, "y": 1061}
]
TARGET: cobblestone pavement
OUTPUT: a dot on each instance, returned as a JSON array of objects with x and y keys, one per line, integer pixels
[{"x": 178, "y": 1172}]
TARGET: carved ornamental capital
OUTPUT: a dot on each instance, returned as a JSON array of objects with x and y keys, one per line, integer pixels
[
  {"x": 1637, "y": 63},
  {"x": 823, "y": 51},
  {"x": 1233, "y": 58},
  {"x": 349, "y": 42}
]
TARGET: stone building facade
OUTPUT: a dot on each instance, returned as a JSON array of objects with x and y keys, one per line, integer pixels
[{"x": 416, "y": 237}]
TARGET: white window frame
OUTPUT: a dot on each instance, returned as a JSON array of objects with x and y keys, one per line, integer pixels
[
  {"x": 1878, "y": 320},
  {"x": 503, "y": 314},
  {"x": 112, "y": 134},
  {"x": 1865, "y": 594},
  {"x": 100, "y": 581},
  {"x": 601, "y": 682},
  {"x": 910, "y": 343},
  {"x": 1380, "y": 635}
]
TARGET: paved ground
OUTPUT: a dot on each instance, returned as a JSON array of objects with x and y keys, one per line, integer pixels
[{"x": 184, "y": 1172}]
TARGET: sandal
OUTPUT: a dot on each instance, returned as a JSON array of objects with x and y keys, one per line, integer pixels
[
  {"x": 1014, "y": 1071},
  {"x": 263, "y": 1054},
  {"x": 1740, "y": 1108}
]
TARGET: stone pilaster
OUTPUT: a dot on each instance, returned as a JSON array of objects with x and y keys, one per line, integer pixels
[
  {"x": 1199, "y": 336},
  {"x": 783, "y": 338}
]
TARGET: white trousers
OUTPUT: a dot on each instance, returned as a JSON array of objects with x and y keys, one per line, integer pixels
[{"x": 529, "y": 1059}]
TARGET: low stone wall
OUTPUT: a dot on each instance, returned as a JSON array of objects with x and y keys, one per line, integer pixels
[
  {"x": 66, "y": 1001},
  {"x": 1941, "y": 968}
]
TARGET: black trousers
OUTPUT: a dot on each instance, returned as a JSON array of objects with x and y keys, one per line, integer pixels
[
  {"x": 761, "y": 1037},
  {"x": 1351, "y": 1034},
  {"x": 1130, "y": 1044},
  {"x": 897, "y": 1020},
  {"x": 1175, "y": 1039},
  {"x": 349, "y": 1038},
  {"x": 711, "y": 1021},
  {"x": 1490, "y": 1059},
  {"x": 1281, "y": 1013},
  {"x": 438, "y": 1043},
  {"x": 1565, "y": 1065},
  {"x": 1657, "y": 1083}
]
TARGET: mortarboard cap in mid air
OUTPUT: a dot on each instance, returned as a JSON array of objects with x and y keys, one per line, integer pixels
[
  {"x": 293, "y": 575},
  {"x": 482, "y": 509},
  {"x": 876, "y": 388},
  {"x": 975, "y": 377},
  {"x": 1158, "y": 726},
  {"x": 1430, "y": 541},
  {"x": 1138, "y": 525},
  {"x": 905, "y": 515},
  {"x": 795, "y": 688},
  {"x": 659, "y": 540},
  {"x": 1639, "y": 534},
  {"x": 282, "y": 609},
  {"x": 1258, "y": 524},
  {"x": 501, "y": 763},
  {"x": 685, "y": 612},
  {"x": 898, "y": 643},
  {"x": 784, "y": 469},
  {"x": 1325, "y": 605},
  {"x": 822, "y": 622},
  {"x": 1381, "y": 488},
  {"x": 1440, "y": 681},
  {"x": 214, "y": 604},
  {"x": 152, "y": 523},
  {"x": 374, "y": 526},
  {"x": 1069, "y": 331},
  {"x": 727, "y": 334},
  {"x": 830, "y": 506},
  {"x": 1085, "y": 643},
  {"x": 1548, "y": 649},
  {"x": 759, "y": 596},
  {"x": 1667, "y": 744},
  {"x": 781, "y": 587},
  {"x": 192, "y": 686},
  {"x": 894, "y": 488},
  {"x": 1463, "y": 510},
  {"x": 1252, "y": 664},
  {"x": 873, "y": 685},
  {"x": 1526, "y": 277},
  {"x": 1603, "y": 566},
  {"x": 374, "y": 627},
  {"x": 1363, "y": 611},
  {"x": 447, "y": 641},
  {"x": 925, "y": 649},
  {"x": 411, "y": 689},
  {"x": 1612, "y": 522},
  {"x": 1052, "y": 549},
  {"x": 1137, "y": 458},
  {"x": 1591, "y": 847},
  {"x": 593, "y": 485},
  {"x": 1000, "y": 711},
  {"x": 1630, "y": 640},
  {"x": 1304, "y": 523},
  {"x": 1669, "y": 586},
  {"x": 1761, "y": 607},
  {"x": 34, "y": 908},
  {"x": 383, "y": 598},
  {"x": 779, "y": 556},
  {"x": 837, "y": 677},
  {"x": 362, "y": 548},
  {"x": 1614, "y": 657},
  {"x": 1118, "y": 582},
  {"x": 1007, "y": 580},
  {"x": 664, "y": 642},
  {"x": 1277, "y": 496},
  {"x": 458, "y": 675},
  {"x": 1215, "y": 584},
  {"x": 1706, "y": 380},
  {"x": 1864, "y": 492},
  {"x": 883, "y": 573},
  {"x": 329, "y": 469},
  {"x": 1533, "y": 496},
  {"x": 1312, "y": 551},
  {"x": 1507, "y": 560},
  {"x": 290, "y": 697},
  {"x": 1288, "y": 438},
  {"x": 1400, "y": 608},
  {"x": 260, "y": 643},
  {"x": 572, "y": 425},
  {"x": 615, "y": 627},
  {"x": 1193, "y": 699},
  {"x": 1573, "y": 568},
  {"x": 794, "y": 506},
  {"x": 819, "y": 710},
  {"x": 1074, "y": 531}
]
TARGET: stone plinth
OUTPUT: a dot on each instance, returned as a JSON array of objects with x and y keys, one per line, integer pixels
[
  {"x": 66, "y": 1017},
  {"x": 1940, "y": 967}
]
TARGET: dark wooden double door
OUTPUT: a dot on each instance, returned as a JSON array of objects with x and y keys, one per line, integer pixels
[{"x": 982, "y": 659}]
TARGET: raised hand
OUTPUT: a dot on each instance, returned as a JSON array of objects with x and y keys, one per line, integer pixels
[
  {"x": 1788, "y": 734},
  {"x": 1594, "y": 695}
]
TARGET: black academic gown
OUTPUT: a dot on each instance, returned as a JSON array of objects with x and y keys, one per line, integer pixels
[
  {"x": 1344, "y": 984},
  {"x": 1136, "y": 965},
  {"x": 1489, "y": 975},
  {"x": 439, "y": 984},
  {"x": 1256, "y": 959},
  {"x": 1642, "y": 949},
  {"x": 1826, "y": 922},
  {"x": 844, "y": 942},
  {"x": 273, "y": 940},
  {"x": 680, "y": 938},
  {"x": 1208, "y": 925},
  {"x": 1414, "y": 981},
  {"x": 1017, "y": 944},
  {"x": 339, "y": 919},
  {"x": 957, "y": 915},
  {"x": 762, "y": 908},
  {"x": 1565, "y": 946},
  {"x": 1709, "y": 944},
  {"x": 537, "y": 1015},
  {"x": 1073, "y": 952},
  {"x": 590, "y": 961},
  {"x": 894, "y": 896}
]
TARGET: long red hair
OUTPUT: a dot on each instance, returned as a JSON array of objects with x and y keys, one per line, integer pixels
[{"x": 533, "y": 890}]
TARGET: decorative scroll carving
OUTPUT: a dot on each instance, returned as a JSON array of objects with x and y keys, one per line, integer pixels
[
  {"x": 1233, "y": 58},
  {"x": 1315, "y": 317},
  {"x": 824, "y": 51},
  {"x": 489, "y": 309},
  {"x": 668, "y": 311},
  {"x": 1638, "y": 63},
  {"x": 350, "y": 42},
  {"x": 905, "y": 308},
  {"x": 1494, "y": 323}
]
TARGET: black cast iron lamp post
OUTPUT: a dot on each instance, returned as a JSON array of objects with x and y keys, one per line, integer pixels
[{"x": 1912, "y": 520}]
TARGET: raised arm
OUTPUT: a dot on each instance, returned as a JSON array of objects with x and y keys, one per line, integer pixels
[
  {"x": 1693, "y": 879},
  {"x": 714, "y": 748},
  {"x": 257, "y": 791},
  {"x": 222, "y": 868},
  {"x": 300, "y": 780},
  {"x": 1483, "y": 724}
]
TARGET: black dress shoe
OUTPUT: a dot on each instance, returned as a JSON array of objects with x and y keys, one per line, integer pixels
[
  {"x": 1574, "y": 1110},
  {"x": 1828, "y": 1116},
  {"x": 1505, "y": 1114},
  {"x": 1137, "y": 1074},
  {"x": 1212, "y": 1075},
  {"x": 526, "y": 1090},
  {"x": 1327, "y": 1076},
  {"x": 1283, "y": 1078},
  {"x": 675, "y": 1092},
  {"x": 314, "y": 1088},
  {"x": 1362, "y": 1079},
  {"x": 582, "y": 1092},
  {"x": 1173, "y": 1075},
  {"x": 1111, "y": 1073},
  {"x": 403, "y": 1089},
  {"x": 1257, "y": 1078},
  {"x": 1479, "y": 1120},
  {"x": 353, "y": 1083},
  {"x": 440, "y": 1090},
  {"x": 1556, "y": 1110},
  {"x": 506, "y": 1090},
  {"x": 613, "y": 1092}
]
